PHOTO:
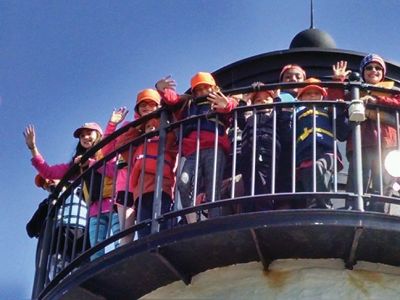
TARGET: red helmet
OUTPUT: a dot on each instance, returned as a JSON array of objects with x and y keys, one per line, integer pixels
[{"x": 313, "y": 85}]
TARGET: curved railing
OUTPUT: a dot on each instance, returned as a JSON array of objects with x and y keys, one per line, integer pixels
[{"x": 64, "y": 244}]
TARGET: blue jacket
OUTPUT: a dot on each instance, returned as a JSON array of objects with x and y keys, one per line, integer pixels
[
  {"x": 206, "y": 124},
  {"x": 324, "y": 131}
]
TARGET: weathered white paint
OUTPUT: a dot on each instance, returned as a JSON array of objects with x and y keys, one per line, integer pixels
[{"x": 289, "y": 279}]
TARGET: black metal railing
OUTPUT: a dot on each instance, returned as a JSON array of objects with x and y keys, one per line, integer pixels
[{"x": 64, "y": 244}]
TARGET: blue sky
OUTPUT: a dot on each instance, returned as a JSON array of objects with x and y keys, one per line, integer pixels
[{"x": 63, "y": 63}]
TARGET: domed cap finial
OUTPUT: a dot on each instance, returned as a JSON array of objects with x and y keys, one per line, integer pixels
[{"x": 312, "y": 38}]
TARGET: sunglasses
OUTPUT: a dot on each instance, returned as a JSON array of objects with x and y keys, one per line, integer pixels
[
  {"x": 148, "y": 103},
  {"x": 370, "y": 68}
]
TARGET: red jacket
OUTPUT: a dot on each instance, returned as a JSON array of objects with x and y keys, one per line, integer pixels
[
  {"x": 207, "y": 138},
  {"x": 150, "y": 166},
  {"x": 369, "y": 130}
]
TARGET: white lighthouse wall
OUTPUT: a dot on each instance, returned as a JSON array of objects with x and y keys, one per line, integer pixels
[{"x": 289, "y": 279}]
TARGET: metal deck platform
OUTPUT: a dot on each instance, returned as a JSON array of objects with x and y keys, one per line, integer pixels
[{"x": 136, "y": 269}]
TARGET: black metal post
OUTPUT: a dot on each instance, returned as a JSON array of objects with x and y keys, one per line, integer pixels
[
  {"x": 357, "y": 157},
  {"x": 155, "y": 226},
  {"x": 41, "y": 271}
]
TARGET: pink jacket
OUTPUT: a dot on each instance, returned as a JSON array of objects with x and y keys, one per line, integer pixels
[
  {"x": 59, "y": 170},
  {"x": 122, "y": 174}
]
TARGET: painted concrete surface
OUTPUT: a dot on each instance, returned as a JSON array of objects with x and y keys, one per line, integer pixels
[{"x": 289, "y": 279}]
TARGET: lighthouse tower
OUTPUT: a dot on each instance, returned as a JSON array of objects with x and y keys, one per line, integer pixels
[{"x": 344, "y": 252}]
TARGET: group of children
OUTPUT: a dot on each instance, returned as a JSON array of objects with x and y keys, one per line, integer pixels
[{"x": 206, "y": 148}]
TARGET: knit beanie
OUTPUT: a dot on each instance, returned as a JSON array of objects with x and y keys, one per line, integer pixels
[{"x": 369, "y": 59}]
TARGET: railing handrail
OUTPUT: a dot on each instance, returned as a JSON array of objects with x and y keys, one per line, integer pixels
[
  {"x": 77, "y": 180},
  {"x": 70, "y": 180}
]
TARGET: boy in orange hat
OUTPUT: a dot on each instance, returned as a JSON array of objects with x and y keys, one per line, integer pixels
[
  {"x": 202, "y": 85},
  {"x": 324, "y": 139}
]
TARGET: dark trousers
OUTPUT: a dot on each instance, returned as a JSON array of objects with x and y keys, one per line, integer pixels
[
  {"x": 324, "y": 167},
  {"x": 262, "y": 185},
  {"x": 371, "y": 179},
  {"x": 185, "y": 181},
  {"x": 146, "y": 211}
]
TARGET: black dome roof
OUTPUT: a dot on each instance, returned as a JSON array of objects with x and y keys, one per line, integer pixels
[{"x": 312, "y": 38}]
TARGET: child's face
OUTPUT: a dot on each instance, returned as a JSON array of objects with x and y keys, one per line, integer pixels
[
  {"x": 311, "y": 94},
  {"x": 147, "y": 106},
  {"x": 202, "y": 90},
  {"x": 149, "y": 127},
  {"x": 88, "y": 138},
  {"x": 292, "y": 75},
  {"x": 262, "y": 98},
  {"x": 373, "y": 73},
  {"x": 50, "y": 185}
]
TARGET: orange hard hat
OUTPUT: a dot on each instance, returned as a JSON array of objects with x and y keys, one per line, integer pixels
[
  {"x": 313, "y": 85},
  {"x": 147, "y": 94},
  {"x": 202, "y": 78}
]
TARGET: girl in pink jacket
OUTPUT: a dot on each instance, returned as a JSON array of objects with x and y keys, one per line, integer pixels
[{"x": 101, "y": 211}]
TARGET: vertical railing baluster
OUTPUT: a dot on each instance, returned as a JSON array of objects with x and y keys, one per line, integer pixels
[
  {"x": 398, "y": 129},
  {"x": 214, "y": 177},
  {"x": 87, "y": 201},
  {"x": 196, "y": 168},
  {"x": 67, "y": 230},
  {"x": 234, "y": 156},
  {"x": 254, "y": 151},
  {"x": 141, "y": 181},
  {"x": 77, "y": 223},
  {"x": 155, "y": 225},
  {"x": 41, "y": 273},
  {"x": 314, "y": 150},
  {"x": 378, "y": 124},
  {"x": 357, "y": 155},
  {"x": 294, "y": 137},
  {"x": 335, "y": 155},
  {"x": 178, "y": 168},
  {"x": 273, "y": 149}
]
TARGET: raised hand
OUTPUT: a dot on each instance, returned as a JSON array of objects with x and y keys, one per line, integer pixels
[
  {"x": 257, "y": 84},
  {"x": 77, "y": 160},
  {"x": 30, "y": 138},
  {"x": 247, "y": 97},
  {"x": 118, "y": 115},
  {"x": 218, "y": 100},
  {"x": 275, "y": 93},
  {"x": 339, "y": 70},
  {"x": 369, "y": 99},
  {"x": 166, "y": 83}
]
